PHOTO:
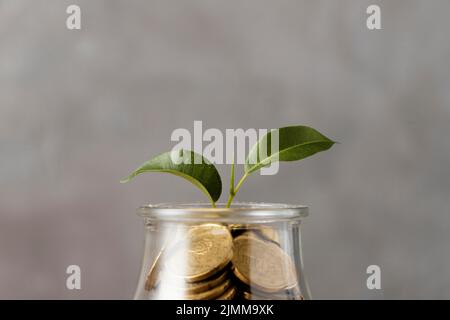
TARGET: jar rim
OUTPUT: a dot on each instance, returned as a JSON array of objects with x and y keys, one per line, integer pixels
[{"x": 239, "y": 212}]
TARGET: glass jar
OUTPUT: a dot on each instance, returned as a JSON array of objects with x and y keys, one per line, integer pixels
[{"x": 249, "y": 251}]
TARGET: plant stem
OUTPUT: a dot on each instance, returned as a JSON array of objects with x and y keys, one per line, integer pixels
[
  {"x": 232, "y": 178},
  {"x": 235, "y": 190}
]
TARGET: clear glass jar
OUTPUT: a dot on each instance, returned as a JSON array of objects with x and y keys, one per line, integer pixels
[{"x": 249, "y": 251}]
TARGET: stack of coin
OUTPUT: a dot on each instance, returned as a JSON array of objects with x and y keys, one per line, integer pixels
[
  {"x": 224, "y": 262},
  {"x": 264, "y": 270},
  {"x": 198, "y": 267}
]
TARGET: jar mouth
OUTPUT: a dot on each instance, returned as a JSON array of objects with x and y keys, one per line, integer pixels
[{"x": 239, "y": 212}]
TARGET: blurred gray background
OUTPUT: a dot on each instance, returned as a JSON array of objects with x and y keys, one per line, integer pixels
[{"x": 80, "y": 109}]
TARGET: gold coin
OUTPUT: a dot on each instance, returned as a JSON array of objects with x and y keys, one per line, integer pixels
[
  {"x": 210, "y": 294},
  {"x": 236, "y": 226},
  {"x": 201, "y": 286},
  {"x": 262, "y": 264},
  {"x": 257, "y": 234},
  {"x": 154, "y": 271},
  {"x": 205, "y": 250},
  {"x": 152, "y": 275},
  {"x": 268, "y": 233},
  {"x": 228, "y": 295},
  {"x": 237, "y": 229}
]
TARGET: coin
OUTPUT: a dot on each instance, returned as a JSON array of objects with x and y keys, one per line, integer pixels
[
  {"x": 237, "y": 229},
  {"x": 210, "y": 294},
  {"x": 205, "y": 250},
  {"x": 152, "y": 275},
  {"x": 154, "y": 271},
  {"x": 268, "y": 233},
  {"x": 287, "y": 294},
  {"x": 200, "y": 286},
  {"x": 262, "y": 264},
  {"x": 228, "y": 295}
]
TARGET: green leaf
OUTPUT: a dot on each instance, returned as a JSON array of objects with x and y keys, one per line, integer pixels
[
  {"x": 188, "y": 165},
  {"x": 295, "y": 143}
]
